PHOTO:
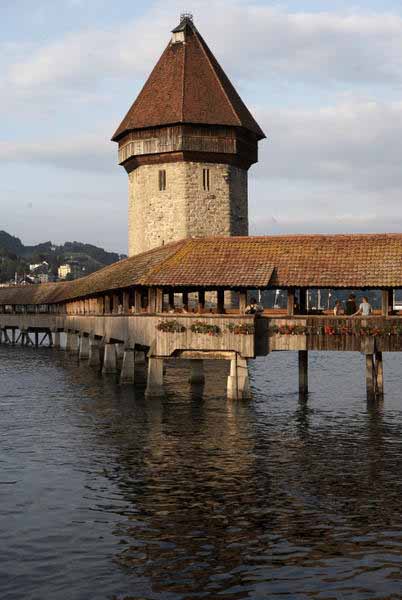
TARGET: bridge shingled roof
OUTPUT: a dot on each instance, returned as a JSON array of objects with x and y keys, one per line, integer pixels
[
  {"x": 326, "y": 261},
  {"x": 188, "y": 85}
]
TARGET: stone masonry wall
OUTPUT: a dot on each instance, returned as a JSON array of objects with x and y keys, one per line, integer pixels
[{"x": 185, "y": 209}]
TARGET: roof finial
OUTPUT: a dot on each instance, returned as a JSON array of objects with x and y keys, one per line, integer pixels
[{"x": 186, "y": 16}]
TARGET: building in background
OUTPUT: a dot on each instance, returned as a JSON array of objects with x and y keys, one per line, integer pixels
[{"x": 70, "y": 270}]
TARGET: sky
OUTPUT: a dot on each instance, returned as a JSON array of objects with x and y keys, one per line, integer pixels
[{"x": 323, "y": 79}]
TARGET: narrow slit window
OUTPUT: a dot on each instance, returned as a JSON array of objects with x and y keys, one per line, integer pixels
[
  {"x": 162, "y": 180},
  {"x": 205, "y": 179}
]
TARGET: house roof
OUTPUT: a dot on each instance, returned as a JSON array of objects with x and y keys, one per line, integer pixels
[
  {"x": 188, "y": 85},
  {"x": 326, "y": 261}
]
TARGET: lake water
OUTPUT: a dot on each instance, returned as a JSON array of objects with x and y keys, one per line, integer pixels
[{"x": 107, "y": 496}]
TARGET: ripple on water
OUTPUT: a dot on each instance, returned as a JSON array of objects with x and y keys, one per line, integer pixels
[{"x": 105, "y": 495}]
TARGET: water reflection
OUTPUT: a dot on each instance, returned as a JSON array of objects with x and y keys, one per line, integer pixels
[
  {"x": 195, "y": 499},
  {"x": 194, "y": 496}
]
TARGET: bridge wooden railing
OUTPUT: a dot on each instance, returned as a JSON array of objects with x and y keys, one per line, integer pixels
[
  {"x": 211, "y": 333},
  {"x": 247, "y": 334},
  {"x": 326, "y": 332}
]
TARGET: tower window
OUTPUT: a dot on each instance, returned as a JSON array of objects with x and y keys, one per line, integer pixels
[
  {"x": 162, "y": 180},
  {"x": 205, "y": 179}
]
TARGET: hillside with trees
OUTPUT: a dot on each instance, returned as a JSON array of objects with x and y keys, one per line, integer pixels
[{"x": 15, "y": 257}]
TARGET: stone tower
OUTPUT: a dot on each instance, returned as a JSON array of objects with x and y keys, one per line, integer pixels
[{"x": 187, "y": 143}]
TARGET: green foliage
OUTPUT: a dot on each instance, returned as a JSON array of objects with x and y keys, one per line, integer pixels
[
  {"x": 10, "y": 243},
  {"x": 205, "y": 328},
  {"x": 171, "y": 326},
  {"x": 241, "y": 328},
  {"x": 15, "y": 257}
]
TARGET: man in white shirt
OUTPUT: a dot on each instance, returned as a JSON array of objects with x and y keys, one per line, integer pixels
[{"x": 364, "y": 308}]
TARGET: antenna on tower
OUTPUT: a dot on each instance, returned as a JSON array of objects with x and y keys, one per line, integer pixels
[{"x": 186, "y": 16}]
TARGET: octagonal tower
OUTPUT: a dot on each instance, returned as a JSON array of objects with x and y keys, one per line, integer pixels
[{"x": 187, "y": 143}]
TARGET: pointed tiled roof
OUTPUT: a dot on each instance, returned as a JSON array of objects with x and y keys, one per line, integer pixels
[{"x": 188, "y": 85}]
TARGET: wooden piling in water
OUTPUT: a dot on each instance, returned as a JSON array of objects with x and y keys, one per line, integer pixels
[
  {"x": 197, "y": 372},
  {"x": 371, "y": 378},
  {"x": 379, "y": 369},
  {"x": 127, "y": 374},
  {"x": 303, "y": 372}
]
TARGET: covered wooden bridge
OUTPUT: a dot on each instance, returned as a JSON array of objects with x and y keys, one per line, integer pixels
[{"x": 188, "y": 300}]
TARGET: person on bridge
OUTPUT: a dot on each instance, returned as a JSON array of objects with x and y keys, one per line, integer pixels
[
  {"x": 254, "y": 308},
  {"x": 351, "y": 306},
  {"x": 338, "y": 308},
  {"x": 364, "y": 308}
]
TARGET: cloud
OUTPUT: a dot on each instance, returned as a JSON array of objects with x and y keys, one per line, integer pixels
[
  {"x": 357, "y": 144},
  {"x": 328, "y": 165},
  {"x": 316, "y": 47},
  {"x": 81, "y": 153},
  {"x": 309, "y": 46},
  {"x": 329, "y": 224}
]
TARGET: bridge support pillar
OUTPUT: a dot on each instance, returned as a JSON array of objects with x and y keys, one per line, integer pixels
[
  {"x": 140, "y": 359},
  {"x": 238, "y": 380},
  {"x": 84, "y": 347},
  {"x": 374, "y": 375},
  {"x": 155, "y": 378},
  {"x": 303, "y": 372},
  {"x": 127, "y": 369},
  {"x": 25, "y": 339},
  {"x": 140, "y": 364},
  {"x": 371, "y": 380},
  {"x": 109, "y": 359},
  {"x": 56, "y": 339},
  {"x": 72, "y": 342},
  {"x": 196, "y": 371},
  {"x": 119, "y": 351},
  {"x": 379, "y": 368},
  {"x": 94, "y": 353}
]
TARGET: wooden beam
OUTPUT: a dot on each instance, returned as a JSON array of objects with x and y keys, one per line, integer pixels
[
  {"x": 107, "y": 304},
  {"x": 303, "y": 301},
  {"x": 159, "y": 300},
  {"x": 242, "y": 301},
  {"x": 116, "y": 302},
  {"x": 371, "y": 379},
  {"x": 151, "y": 300},
  {"x": 387, "y": 302},
  {"x": 303, "y": 372},
  {"x": 185, "y": 301},
  {"x": 137, "y": 300},
  {"x": 201, "y": 301},
  {"x": 220, "y": 301},
  {"x": 126, "y": 302},
  {"x": 291, "y": 302},
  {"x": 131, "y": 300},
  {"x": 379, "y": 371}
]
